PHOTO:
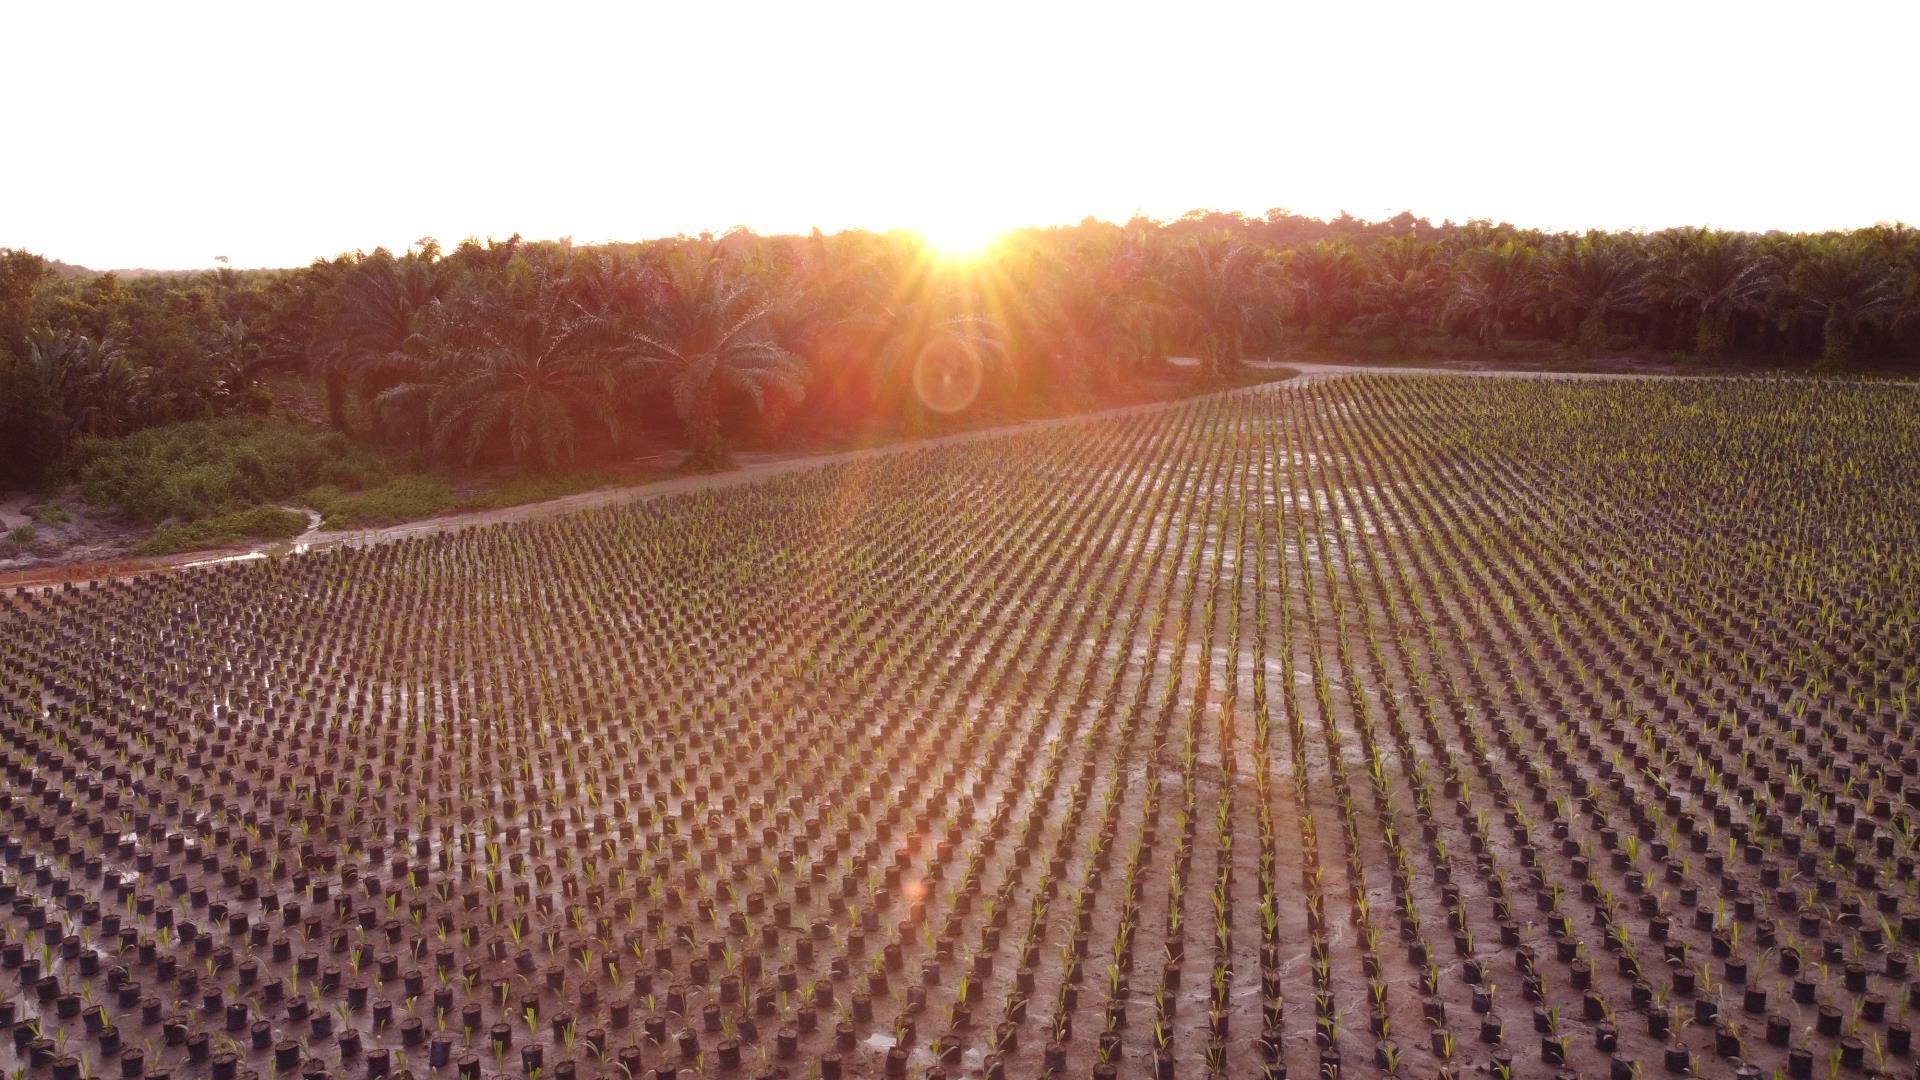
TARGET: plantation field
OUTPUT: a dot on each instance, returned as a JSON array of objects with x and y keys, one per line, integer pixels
[{"x": 1383, "y": 724}]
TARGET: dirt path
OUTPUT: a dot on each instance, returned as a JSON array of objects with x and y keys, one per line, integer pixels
[
  {"x": 748, "y": 473},
  {"x": 1325, "y": 370},
  {"x": 752, "y": 472},
  {"x": 13, "y": 511}
]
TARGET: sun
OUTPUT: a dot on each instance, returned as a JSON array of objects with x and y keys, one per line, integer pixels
[{"x": 960, "y": 238}]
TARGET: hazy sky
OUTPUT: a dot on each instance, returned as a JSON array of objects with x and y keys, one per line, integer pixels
[{"x": 164, "y": 135}]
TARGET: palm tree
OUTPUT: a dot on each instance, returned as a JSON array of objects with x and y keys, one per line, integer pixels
[
  {"x": 1086, "y": 311},
  {"x": 1397, "y": 256},
  {"x": 525, "y": 364},
  {"x": 1493, "y": 286},
  {"x": 810, "y": 286},
  {"x": 1592, "y": 278},
  {"x": 708, "y": 335},
  {"x": 1214, "y": 290},
  {"x": 613, "y": 286},
  {"x": 1907, "y": 313},
  {"x": 1401, "y": 289},
  {"x": 1715, "y": 276},
  {"x": 1323, "y": 278},
  {"x": 1849, "y": 286},
  {"x": 1898, "y": 246},
  {"x": 92, "y": 384},
  {"x": 374, "y": 319}
]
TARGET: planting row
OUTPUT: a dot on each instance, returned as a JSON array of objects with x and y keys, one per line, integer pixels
[{"x": 1410, "y": 726}]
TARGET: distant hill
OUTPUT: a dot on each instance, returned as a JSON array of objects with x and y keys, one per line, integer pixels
[
  {"x": 68, "y": 271},
  {"x": 134, "y": 273},
  {"x": 72, "y": 272}
]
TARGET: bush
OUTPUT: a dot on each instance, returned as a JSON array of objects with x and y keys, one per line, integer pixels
[
  {"x": 403, "y": 498},
  {"x": 227, "y": 530},
  {"x": 209, "y": 468},
  {"x": 17, "y": 541}
]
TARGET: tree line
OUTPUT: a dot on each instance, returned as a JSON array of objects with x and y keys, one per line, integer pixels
[{"x": 545, "y": 353}]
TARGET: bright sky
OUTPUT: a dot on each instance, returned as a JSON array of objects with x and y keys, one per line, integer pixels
[{"x": 163, "y": 135}]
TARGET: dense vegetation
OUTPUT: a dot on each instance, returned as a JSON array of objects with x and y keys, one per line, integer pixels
[
  {"x": 1410, "y": 726},
  {"x": 544, "y": 354},
  {"x": 219, "y": 466}
]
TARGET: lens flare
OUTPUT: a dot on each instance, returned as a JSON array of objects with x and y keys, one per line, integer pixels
[{"x": 947, "y": 376}]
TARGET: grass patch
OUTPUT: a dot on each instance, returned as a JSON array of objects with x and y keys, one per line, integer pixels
[
  {"x": 17, "y": 541},
  {"x": 414, "y": 496},
  {"x": 541, "y": 488},
  {"x": 50, "y": 514},
  {"x": 404, "y": 498},
  {"x": 226, "y": 530},
  {"x": 212, "y": 468}
]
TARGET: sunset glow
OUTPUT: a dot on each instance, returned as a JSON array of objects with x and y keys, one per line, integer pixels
[
  {"x": 292, "y": 132},
  {"x": 959, "y": 238}
]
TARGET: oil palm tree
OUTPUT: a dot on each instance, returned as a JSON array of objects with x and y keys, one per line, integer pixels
[
  {"x": 1214, "y": 289},
  {"x": 1898, "y": 246},
  {"x": 810, "y": 285},
  {"x": 614, "y": 286},
  {"x": 1592, "y": 278},
  {"x": 1086, "y": 311},
  {"x": 1907, "y": 313},
  {"x": 1848, "y": 286},
  {"x": 1397, "y": 303},
  {"x": 524, "y": 366},
  {"x": 1397, "y": 256},
  {"x": 1714, "y": 276},
  {"x": 1324, "y": 278},
  {"x": 709, "y": 335},
  {"x": 1401, "y": 290},
  {"x": 1492, "y": 287},
  {"x": 374, "y": 318}
]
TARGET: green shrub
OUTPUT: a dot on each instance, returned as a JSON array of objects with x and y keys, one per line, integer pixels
[
  {"x": 51, "y": 514},
  {"x": 209, "y": 468},
  {"x": 17, "y": 540},
  {"x": 227, "y": 530},
  {"x": 404, "y": 498}
]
